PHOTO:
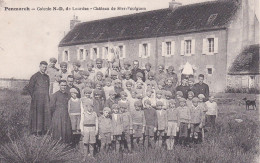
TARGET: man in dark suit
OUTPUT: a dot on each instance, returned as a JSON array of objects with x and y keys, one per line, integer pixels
[
  {"x": 135, "y": 70},
  {"x": 202, "y": 88},
  {"x": 70, "y": 81}
]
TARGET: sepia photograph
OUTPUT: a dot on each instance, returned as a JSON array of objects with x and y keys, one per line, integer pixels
[{"x": 129, "y": 81}]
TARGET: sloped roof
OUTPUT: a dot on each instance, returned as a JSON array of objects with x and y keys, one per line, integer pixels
[
  {"x": 184, "y": 19},
  {"x": 247, "y": 62}
]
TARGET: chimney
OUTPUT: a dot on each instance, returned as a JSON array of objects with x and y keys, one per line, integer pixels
[
  {"x": 173, "y": 4},
  {"x": 74, "y": 22}
]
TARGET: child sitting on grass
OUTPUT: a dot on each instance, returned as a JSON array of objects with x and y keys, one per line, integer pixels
[
  {"x": 105, "y": 129},
  {"x": 172, "y": 124},
  {"x": 196, "y": 114},
  {"x": 212, "y": 112},
  {"x": 150, "y": 116},
  {"x": 89, "y": 129},
  {"x": 117, "y": 127},
  {"x": 138, "y": 121},
  {"x": 184, "y": 122},
  {"x": 161, "y": 123}
]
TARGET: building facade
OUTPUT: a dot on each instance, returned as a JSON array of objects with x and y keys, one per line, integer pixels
[{"x": 206, "y": 35}]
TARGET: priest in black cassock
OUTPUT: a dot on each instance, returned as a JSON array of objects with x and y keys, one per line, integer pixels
[{"x": 38, "y": 88}]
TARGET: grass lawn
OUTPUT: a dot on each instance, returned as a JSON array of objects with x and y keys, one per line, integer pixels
[{"x": 230, "y": 142}]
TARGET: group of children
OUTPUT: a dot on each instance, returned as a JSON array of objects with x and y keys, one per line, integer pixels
[{"x": 118, "y": 112}]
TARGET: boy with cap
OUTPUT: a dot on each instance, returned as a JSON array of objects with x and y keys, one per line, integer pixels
[
  {"x": 124, "y": 100},
  {"x": 105, "y": 129},
  {"x": 91, "y": 71},
  {"x": 52, "y": 71},
  {"x": 138, "y": 121},
  {"x": 151, "y": 82},
  {"x": 77, "y": 82},
  {"x": 189, "y": 99},
  {"x": 111, "y": 100},
  {"x": 56, "y": 83},
  {"x": 179, "y": 95},
  {"x": 98, "y": 102},
  {"x": 172, "y": 124},
  {"x": 127, "y": 75},
  {"x": 76, "y": 66},
  {"x": 127, "y": 126},
  {"x": 89, "y": 128},
  {"x": 184, "y": 122},
  {"x": 63, "y": 70},
  {"x": 149, "y": 96},
  {"x": 118, "y": 88},
  {"x": 86, "y": 99},
  {"x": 108, "y": 87},
  {"x": 100, "y": 68},
  {"x": 161, "y": 122},
  {"x": 117, "y": 127},
  {"x": 150, "y": 116},
  {"x": 74, "y": 110},
  {"x": 196, "y": 114}
]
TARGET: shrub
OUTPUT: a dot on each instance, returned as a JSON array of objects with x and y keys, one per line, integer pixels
[{"x": 36, "y": 149}]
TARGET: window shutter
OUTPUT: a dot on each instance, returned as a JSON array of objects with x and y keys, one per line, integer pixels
[
  {"x": 63, "y": 56},
  {"x": 84, "y": 54},
  {"x": 149, "y": 49},
  {"x": 68, "y": 56},
  {"x": 91, "y": 54},
  {"x": 98, "y": 53},
  {"x": 172, "y": 47},
  {"x": 205, "y": 46},
  {"x": 103, "y": 53},
  {"x": 124, "y": 55},
  {"x": 140, "y": 50},
  {"x": 215, "y": 45},
  {"x": 163, "y": 49},
  {"x": 182, "y": 47},
  {"x": 78, "y": 54},
  {"x": 193, "y": 46}
]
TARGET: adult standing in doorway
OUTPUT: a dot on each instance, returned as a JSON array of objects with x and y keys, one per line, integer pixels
[{"x": 38, "y": 88}]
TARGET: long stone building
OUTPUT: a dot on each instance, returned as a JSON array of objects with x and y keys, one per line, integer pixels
[{"x": 208, "y": 36}]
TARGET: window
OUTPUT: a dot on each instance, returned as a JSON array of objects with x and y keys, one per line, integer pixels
[
  {"x": 94, "y": 53},
  {"x": 121, "y": 51},
  {"x": 211, "y": 18},
  {"x": 81, "y": 54},
  {"x": 211, "y": 45},
  {"x": 105, "y": 52},
  {"x": 66, "y": 55},
  {"x": 86, "y": 53},
  {"x": 168, "y": 48},
  {"x": 145, "y": 50},
  {"x": 187, "y": 46},
  {"x": 209, "y": 71}
]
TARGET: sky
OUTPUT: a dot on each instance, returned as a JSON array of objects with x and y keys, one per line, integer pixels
[{"x": 28, "y": 37}]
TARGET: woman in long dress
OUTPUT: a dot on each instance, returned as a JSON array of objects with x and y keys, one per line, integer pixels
[{"x": 61, "y": 124}]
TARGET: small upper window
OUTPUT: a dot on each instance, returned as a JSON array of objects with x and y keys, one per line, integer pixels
[
  {"x": 211, "y": 45},
  {"x": 121, "y": 52},
  {"x": 81, "y": 53},
  {"x": 66, "y": 55},
  {"x": 210, "y": 71},
  {"x": 95, "y": 51},
  {"x": 211, "y": 18},
  {"x": 87, "y": 52},
  {"x": 168, "y": 48},
  {"x": 187, "y": 47},
  {"x": 145, "y": 50}
]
